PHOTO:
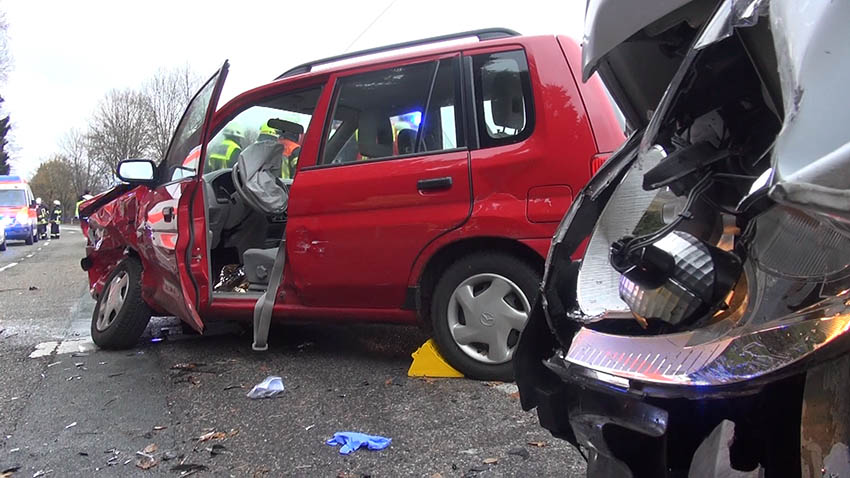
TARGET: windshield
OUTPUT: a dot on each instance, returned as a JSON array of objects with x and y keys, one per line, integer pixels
[{"x": 13, "y": 197}]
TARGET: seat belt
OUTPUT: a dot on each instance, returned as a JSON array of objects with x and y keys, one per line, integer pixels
[{"x": 265, "y": 304}]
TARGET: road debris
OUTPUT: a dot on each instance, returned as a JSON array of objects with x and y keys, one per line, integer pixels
[
  {"x": 268, "y": 388},
  {"x": 70, "y": 425},
  {"x": 538, "y": 444},
  {"x": 54, "y": 363},
  {"x": 231, "y": 387},
  {"x": 41, "y": 473},
  {"x": 520, "y": 452},
  {"x": 214, "y": 435},
  {"x": 189, "y": 468},
  {"x": 32, "y": 287},
  {"x": 74, "y": 377},
  {"x": 83, "y": 453},
  {"x": 308, "y": 427},
  {"x": 169, "y": 455},
  {"x": 150, "y": 449},
  {"x": 469, "y": 451},
  {"x": 351, "y": 441},
  {"x": 490, "y": 461},
  {"x": 116, "y": 374},
  {"x": 145, "y": 461},
  {"x": 79, "y": 354},
  {"x": 217, "y": 449}
]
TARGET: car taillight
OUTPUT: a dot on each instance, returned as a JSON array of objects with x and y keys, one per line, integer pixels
[{"x": 597, "y": 161}]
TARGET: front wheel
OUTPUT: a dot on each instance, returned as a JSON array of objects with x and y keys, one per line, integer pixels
[
  {"x": 480, "y": 307},
  {"x": 30, "y": 239},
  {"x": 121, "y": 315}
]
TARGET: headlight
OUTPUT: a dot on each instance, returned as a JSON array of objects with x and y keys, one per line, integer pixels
[{"x": 22, "y": 217}]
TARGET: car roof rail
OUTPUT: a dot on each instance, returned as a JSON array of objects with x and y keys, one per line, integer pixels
[{"x": 482, "y": 34}]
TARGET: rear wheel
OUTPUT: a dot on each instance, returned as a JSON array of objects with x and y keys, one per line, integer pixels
[
  {"x": 481, "y": 305},
  {"x": 3, "y": 245},
  {"x": 121, "y": 315}
]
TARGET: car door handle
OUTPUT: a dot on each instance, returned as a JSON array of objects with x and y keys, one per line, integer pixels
[
  {"x": 434, "y": 184},
  {"x": 167, "y": 214}
]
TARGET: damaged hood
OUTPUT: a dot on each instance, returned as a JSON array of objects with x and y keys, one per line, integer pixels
[
  {"x": 636, "y": 47},
  {"x": 811, "y": 158}
]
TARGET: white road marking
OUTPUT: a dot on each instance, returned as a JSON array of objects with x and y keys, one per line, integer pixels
[
  {"x": 44, "y": 349},
  {"x": 29, "y": 255},
  {"x": 75, "y": 345},
  {"x": 68, "y": 346},
  {"x": 8, "y": 266}
]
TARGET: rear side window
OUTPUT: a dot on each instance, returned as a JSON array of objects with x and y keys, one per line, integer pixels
[
  {"x": 396, "y": 112},
  {"x": 503, "y": 97}
]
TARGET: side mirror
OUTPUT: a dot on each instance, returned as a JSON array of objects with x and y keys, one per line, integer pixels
[{"x": 136, "y": 171}]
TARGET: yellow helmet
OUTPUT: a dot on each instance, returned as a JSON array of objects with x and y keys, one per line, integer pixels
[{"x": 266, "y": 129}]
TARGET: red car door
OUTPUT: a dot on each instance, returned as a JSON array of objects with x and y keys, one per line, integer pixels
[
  {"x": 392, "y": 175},
  {"x": 166, "y": 223}
]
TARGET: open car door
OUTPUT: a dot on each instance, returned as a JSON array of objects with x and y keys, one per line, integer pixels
[{"x": 168, "y": 226}]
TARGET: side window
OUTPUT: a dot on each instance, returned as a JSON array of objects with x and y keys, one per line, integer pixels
[
  {"x": 177, "y": 163},
  {"x": 503, "y": 97},
  {"x": 395, "y": 112},
  {"x": 283, "y": 119}
]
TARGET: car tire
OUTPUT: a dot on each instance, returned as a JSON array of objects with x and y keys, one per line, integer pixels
[
  {"x": 35, "y": 236},
  {"x": 120, "y": 315},
  {"x": 29, "y": 240},
  {"x": 483, "y": 349},
  {"x": 3, "y": 246}
]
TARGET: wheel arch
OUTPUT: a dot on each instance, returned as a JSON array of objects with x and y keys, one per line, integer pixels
[{"x": 452, "y": 252}]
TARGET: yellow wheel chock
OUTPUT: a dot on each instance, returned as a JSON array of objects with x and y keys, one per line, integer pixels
[{"x": 427, "y": 362}]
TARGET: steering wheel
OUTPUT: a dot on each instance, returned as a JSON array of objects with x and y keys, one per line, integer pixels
[{"x": 262, "y": 177}]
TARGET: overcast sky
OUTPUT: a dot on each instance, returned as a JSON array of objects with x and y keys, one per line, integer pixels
[{"x": 67, "y": 55}]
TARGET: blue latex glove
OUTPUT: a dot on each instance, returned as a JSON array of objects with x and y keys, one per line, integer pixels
[{"x": 351, "y": 441}]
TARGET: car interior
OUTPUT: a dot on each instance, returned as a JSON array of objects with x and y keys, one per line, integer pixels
[{"x": 246, "y": 203}]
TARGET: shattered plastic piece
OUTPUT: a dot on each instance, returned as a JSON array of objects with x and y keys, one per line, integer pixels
[
  {"x": 268, "y": 388},
  {"x": 217, "y": 449},
  {"x": 158, "y": 428},
  {"x": 79, "y": 354},
  {"x": 169, "y": 455},
  {"x": 538, "y": 444},
  {"x": 70, "y": 425},
  {"x": 41, "y": 473},
  {"x": 152, "y": 448},
  {"x": 189, "y": 467},
  {"x": 308, "y": 427},
  {"x": 490, "y": 461},
  {"x": 351, "y": 441}
]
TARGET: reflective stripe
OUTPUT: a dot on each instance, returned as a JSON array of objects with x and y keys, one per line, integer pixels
[{"x": 224, "y": 154}]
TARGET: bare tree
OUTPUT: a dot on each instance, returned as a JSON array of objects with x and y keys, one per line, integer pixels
[
  {"x": 5, "y": 56},
  {"x": 52, "y": 181},
  {"x": 119, "y": 128},
  {"x": 87, "y": 174},
  {"x": 167, "y": 92}
]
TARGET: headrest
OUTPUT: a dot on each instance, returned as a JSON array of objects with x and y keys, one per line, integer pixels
[
  {"x": 506, "y": 101},
  {"x": 375, "y": 134},
  {"x": 406, "y": 141}
]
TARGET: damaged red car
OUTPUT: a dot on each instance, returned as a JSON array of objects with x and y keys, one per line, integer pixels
[{"x": 415, "y": 183}]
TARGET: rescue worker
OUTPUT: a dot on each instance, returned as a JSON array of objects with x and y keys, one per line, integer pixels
[
  {"x": 291, "y": 150},
  {"x": 43, "y": 216},
  {"x": 83, "y": 198},
  {"x": 55, "y": 219},
  {"x": 225, "y": 154}
]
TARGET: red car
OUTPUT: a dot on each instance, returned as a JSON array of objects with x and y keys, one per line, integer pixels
[{"x": 415, "y": 183}]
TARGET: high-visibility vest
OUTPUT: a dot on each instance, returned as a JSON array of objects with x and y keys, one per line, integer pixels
[
  {"x": 291, "y": 150},
  {"x": 224, "y": 154}
]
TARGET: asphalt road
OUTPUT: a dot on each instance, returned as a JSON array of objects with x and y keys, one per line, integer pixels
[{"x": 68, "y": 409}]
